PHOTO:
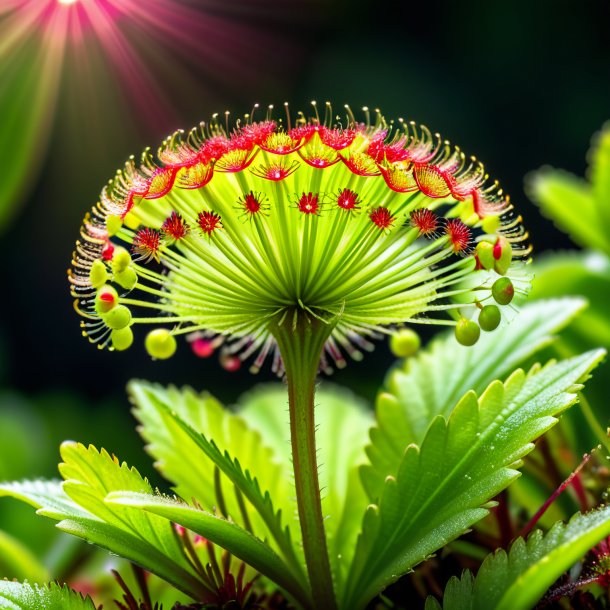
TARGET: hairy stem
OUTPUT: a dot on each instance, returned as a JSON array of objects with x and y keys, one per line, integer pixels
[{"x": 301, "y": 340}]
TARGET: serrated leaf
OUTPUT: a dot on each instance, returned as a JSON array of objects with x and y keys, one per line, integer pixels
[
  {"x": 78, "y": 506},
  {"x": 179, "y": 425},
  {"x": 520, "y": 578},
  {"x": 228, "y": 535},
  {"x": 24, "y": 596},
  {"x": 432, "y": 383},
  {"x": 442, "y": 489},
  {"x": 342, "y": 422}
]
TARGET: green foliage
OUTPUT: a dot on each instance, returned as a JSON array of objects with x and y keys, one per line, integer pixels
[
  {"x": 182, "y": 441},
  {"x": 220, "y": 531},
  {"x": 177, "y": 426},
  {"x": 433, "y": 382},
  {"x": 23, "y": 596},
  {"x": 444, "y": 486},
  {"x": 579, "y": 208},
  {"x": 343, "y": 423},
  {"x": 520, "y": 578},
  {"x": 79, "y": 507},
  {"x": 17, "y": 561}
]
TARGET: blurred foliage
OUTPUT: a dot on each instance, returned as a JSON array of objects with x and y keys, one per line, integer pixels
[{"x": 582, "y": 209}]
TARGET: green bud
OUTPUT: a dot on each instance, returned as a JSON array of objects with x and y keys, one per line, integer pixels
[
  {"x": 113, "y": 224},
  {"x": 160, "y": 343},
  {"x": 489, "y": 318},
  {"x": 120, "y": 261},
  {"x": 485, "y": 253},
  {"x": 121, "y": 338},
  {"x": 467, "y": 332},
  {"x": 404, "y": 343},
  {"x": 106, "y": 299},
  {"x": 503, "y": 291},
  {"x": 98, "y": 275},
  {"x": 118, "y": 318},
  {"x": 503, "y": 255},
  {"x": 126, "y": 279}
]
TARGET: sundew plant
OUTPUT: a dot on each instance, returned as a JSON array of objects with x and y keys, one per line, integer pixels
[{"x": 297, "y": 242}]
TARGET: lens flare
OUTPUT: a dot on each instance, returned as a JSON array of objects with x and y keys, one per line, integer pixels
[{"x": 109, "y": 62}]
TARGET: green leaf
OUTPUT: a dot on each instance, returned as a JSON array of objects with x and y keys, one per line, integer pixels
[
  {"x": 569, "y": 202},
  {"x": 178, "y": 426},
  {"x": 520, "y": 578},
  {"x": 432, "y": 383},
  {"x": 228, "y": 535},
  {"x": 443, "y": 488},
  {"x": 579, "y": 208},
  {"x": 23, "y": 596},
  {"x": 343, "y": 421},
  {"x": 17, "y": 561},
  {"x": 79, "y": 507},
  {"x": 578, "y": 273}
]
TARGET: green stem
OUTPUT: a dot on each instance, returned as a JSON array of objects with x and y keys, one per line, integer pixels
[{"x": 301, "y": 339}]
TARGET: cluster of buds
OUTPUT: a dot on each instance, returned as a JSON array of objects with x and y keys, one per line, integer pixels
[{"x": 226, "y": 232}]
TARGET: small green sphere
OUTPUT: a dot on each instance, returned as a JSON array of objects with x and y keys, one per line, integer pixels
[
  {"x": 503, "y": 291},
  {"x": 121, "y": 260},
  {"x": 489, "y": 318},
  {"x": 160, "y": 344},
  {"x": 118, "y": 317},
  {"x": 404, "y": 343},
  {"x": 126, "y": 279},
  {"x": 467, "y": 332},
  {"x": 106, "y": 299},
  {"x": 98, "y": 274},
  {"x": 121, "y": 338},
  {"x": 485, "y": 253}
]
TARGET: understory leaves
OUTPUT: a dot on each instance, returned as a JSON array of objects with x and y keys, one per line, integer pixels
[
  {"x": 179, "y": 425},
  {"x": 226, "y": 534},
  {"x": 520, "y": 578},
  {"x": 433, "y": 382},
  {"x": 445, "y": 486},
  {"x": 23, "y": 596},
  {"x": 342, "y": 422},
  {"x": 79, "y": 507}
]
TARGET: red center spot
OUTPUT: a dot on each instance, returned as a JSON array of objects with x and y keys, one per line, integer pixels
[
  {"x": 382, "y": 218},
  {"x": 497, "y": 251},
  {"x": 175, "y": 226},
  {"x": 146, "y": 243},
  {"x": 251, "y": 203},
  {"x": 425, "y": 221},
  {"x": 209, "y": 222},
  {"x": 459, "y": 234},
  {"x": 108, "y": 252},
  {"x": 108, "y": 297},
  {"x": 309, "y": 203},
  {"x": 347, "y": 200}
]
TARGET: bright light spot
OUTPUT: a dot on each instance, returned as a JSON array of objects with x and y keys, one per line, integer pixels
[{"x": 67, "y": 1}]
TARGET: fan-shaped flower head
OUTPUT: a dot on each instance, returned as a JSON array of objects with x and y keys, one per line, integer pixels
[{"x": 227, "y": 234}]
